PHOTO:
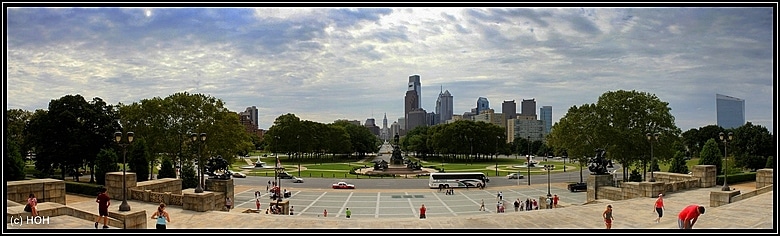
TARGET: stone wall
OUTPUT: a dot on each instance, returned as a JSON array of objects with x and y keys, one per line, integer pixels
[
  {"x": 161, "y": 185},
  {"x": 595, "y": 183},
  {"x": 222, "y": 188},
  {"x": 45, "y": 190},
  {"x": 197, "y": 201},
  {"x": 114, "y": 184},
  {"x": 719, "y": 198},
  {"x": 133, "y": 219},
  {"x": 764, "y": 177},
  {"x": 707, "y": 175},
  {"x": 750, "y": 194}
]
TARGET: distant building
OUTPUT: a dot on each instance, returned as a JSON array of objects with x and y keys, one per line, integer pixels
[
  {"x": 529, "y": 107},
  {"x": 482, "y": 105},
  {"x": 545, "y": 114},
  {"x": 444, "y": 108},
  {"x": 414, "y": 85},
  {"x": 517, "y": 128},
  {"x": 417, "y": 117},
  {"x": 411, "y": 101},
  {"x": 489, "y": 116},
  {"x": 730, "y": 111},
  {"x": 249, "y": 119},
  {"x": 395, "y": 128},
  {"x": 431, "y": 119},
  {"x": 354, "y": 122},
  {"x": 384, "y": 133},
  {"x": 371, "y": 125}
]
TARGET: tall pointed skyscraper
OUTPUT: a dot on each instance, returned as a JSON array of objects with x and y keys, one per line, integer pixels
[
  {"x": 444, "y": 107},
  {"x": 414, "y": 84}
]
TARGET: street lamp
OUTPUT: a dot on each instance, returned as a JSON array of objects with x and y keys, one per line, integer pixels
[
  {"x": 528, "y": 161},
  {"x": 118, "y": 138},
  {"x": 194, "y": 137},
  {"x": 725, "y": 166},
  {"x": 298, "y": 137},
  {"x": 650, "y": 138},
  {"x": 548, "y": 168}
]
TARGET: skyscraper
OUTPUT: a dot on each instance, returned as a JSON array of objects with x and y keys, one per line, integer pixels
[
  {"x": 444, "y": 108},
  {"x": 529, "y": 107},
  {"x": 731, "y": 111},
  {"x": 482, "y": 105},
  {"x": 414, "y": 85},
  {"x": 509, "y": 109},
  {"x": 545, "y": 114},
  {"x": 410, "y": 104}
]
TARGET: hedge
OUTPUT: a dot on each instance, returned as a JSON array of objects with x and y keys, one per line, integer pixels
[
  {"x": 737, "y": 178},
  {"x": 82, "y": 188}
]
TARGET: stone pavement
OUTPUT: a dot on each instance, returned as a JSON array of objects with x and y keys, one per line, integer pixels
[{"x": 752, "y": 213}]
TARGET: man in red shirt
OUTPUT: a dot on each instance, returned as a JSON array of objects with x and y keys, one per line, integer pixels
[
  {"x": 422, "y": 211},
  {"x": 688, "y": 216},
  {"x": 103, "y": 201}
]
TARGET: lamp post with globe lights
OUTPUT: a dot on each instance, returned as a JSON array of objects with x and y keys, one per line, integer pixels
[
  {"x": 726, "y": 140},
  {"x": 118, "y": 138}
]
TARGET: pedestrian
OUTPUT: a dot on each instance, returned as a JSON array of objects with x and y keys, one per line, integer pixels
[
  {"x": 536, "y": 205},
  {"x": 257, "y": 203},
  {"x": 325, "y": 213},
  {"x": 517, "y": 204},
  {"x": 162, "y": 216},
  {"x": 228, "y": 203},
  {"x": 440, "y": 187},
  {"x": 528, "y": 204},
  {"x": 498, "y": 207},
  {"x": 549, "y": 203},
  {"x": 33, "y": 203},
  {"x": 659, "y": 207},
  {"x": 292, "y": 210},
  {"x": 348, "y": 212},
  {"x": 608, "y": 217},
  {"x": 103, "y": 201},
  {"x": 422, "y": 211},
  {"x": 452, "y": 191},
  {"x": 482, "y": 205},
  {"x": 269, "y": 182},
  {"x": 555, "y": 201},
  {"x": 689, "y": 215},
  {"x": 522, "y": 205}
]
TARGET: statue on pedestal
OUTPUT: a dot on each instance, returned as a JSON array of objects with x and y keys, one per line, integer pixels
[
  {"x": 598, "y": 164},
  {"x": 217, "y": 168}
]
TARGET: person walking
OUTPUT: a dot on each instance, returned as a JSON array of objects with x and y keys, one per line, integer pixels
[
  {"x": 33, "y": 202},
  {"x": 257, "y": 203},
  {"x": 103, "y": 201},
  {"x": 689, "y": 215},
  {"x": 162, "y": 216},
  {"x": 608, "y": 218},
  {"x": 348, "y": 212},
  {"x": 522, "y": 205},
  {"x": 517, "y": 205},
  {"x": 659, "y": 207},
  {"x": 228, "y": 203},
  {"x": 292, "y": 210},
  {"x": 555, "y": 201},
  {"x": 536, "y": 205},
  {"x": 325, "y": 212},
  {"x": 549, "y": 203},
  {"x": 482, "y": 205},
  {"x": 422, "y": 211}
]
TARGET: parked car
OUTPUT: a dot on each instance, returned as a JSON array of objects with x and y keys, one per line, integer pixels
[
  {"x": 285, "y": 175},
  {"x": 297, "y": 179},
  {"x": 578, "y": 187},
  {"x": 239, "y": 175},
  {"x": 514, "y": 176},
  {"x": 343, "y": 185}
]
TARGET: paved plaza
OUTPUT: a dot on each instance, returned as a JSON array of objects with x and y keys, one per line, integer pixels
[{"x": 398, "y": 209}]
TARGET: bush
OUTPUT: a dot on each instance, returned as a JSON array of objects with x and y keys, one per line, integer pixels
[
  {"x": 105, "y": 162},
  {"x": 166, "y": 169},
  {"x": 189, "y": 177},
  {"x": 82, "y": 188},
  {"x": 635, "y": 176},
  {"x": 737, "y": 178},
  {"x": 770, "y": 162}
]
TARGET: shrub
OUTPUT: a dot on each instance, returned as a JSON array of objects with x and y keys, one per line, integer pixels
[
  {"x": 770, "y": 162},
  {"x": 82, "y": 188},
  {"x": 737, "y": 178},
  {"x": 635, "y": 176},
  {"x": 105, "y": 162},
  {"x": 166, "y": 169},
  {"x": 189, "y": 177}
]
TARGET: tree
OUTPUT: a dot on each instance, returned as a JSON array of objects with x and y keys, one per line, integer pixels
[
  {"x": 13, "y": 163},
  {"x": 751, "y": 145},
  {"x": 189, "y": 177},
  {"x": 678, "y": 163},
  {"x": 139, "y": 159},
  {"x": 106, "y": 161},
  {"x": 635, "y": 176},
  {"x": 770, "y": 162},
  {"x": 166, "y": 169},
  {"x": 710, "y": 155},
  {"x": 577, "y": 133}
]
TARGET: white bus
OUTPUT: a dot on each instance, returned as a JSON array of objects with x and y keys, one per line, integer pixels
[{"x": 457, "y": 180}]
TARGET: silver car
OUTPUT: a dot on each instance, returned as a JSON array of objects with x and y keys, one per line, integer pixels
[
  {"x": 295, "y": 179},
  {"x": 514, "y": 176}
]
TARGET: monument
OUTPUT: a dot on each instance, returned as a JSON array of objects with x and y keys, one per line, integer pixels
[
  {"x": 217, "y": 168},
  {"x": 598, "y": 164}
]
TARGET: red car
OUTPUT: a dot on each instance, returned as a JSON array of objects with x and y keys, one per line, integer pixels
[{"x": 343, "y": 185}]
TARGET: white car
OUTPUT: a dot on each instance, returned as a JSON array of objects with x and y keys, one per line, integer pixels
[
  {"x": 296, "y": 179},
  {"x": 239, "y": 175},
  {"x": 514, "y": 176},
  {"x": 343, "y": 185}
]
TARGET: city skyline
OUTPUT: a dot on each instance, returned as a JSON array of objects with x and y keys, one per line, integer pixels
[{"x": 325, "y": 64}]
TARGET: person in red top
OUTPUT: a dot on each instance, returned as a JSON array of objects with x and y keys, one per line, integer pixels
[
  {"x": 422, "y": 211},
  {"x": 659, "y": 207},
  {"x": 103, "y": 201},
  {"x": 688, "y": 216},
  {"x": 555, "y": 201}
]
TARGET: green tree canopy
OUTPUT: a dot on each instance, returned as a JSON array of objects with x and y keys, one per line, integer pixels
[{"x": 710, "y": 155}]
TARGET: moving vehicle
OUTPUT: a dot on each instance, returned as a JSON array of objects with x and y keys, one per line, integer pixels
[
  {"x": 297, "y": 179},
  {"x": 343, "y": 185},
  {"x": 285, "y": 175},
  {"x": 238, "y": 175},
  {"x": 578, "y": 187},
  {"x": 457, "y": 180},
  {"x": 514, "y": 176}
]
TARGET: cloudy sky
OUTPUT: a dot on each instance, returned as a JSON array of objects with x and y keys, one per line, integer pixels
[{"x": 324, "y": 64}]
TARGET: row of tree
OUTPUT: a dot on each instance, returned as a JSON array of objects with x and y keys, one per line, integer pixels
[{"x": 290, "y": 134}]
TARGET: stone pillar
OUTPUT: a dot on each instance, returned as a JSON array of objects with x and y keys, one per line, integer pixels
[
  {"x": 222, "y": 185},
  {"x": 596, "y": 181},
  {"x": 651, "y": 189},
  {"x": 197, "y": 201},
  {"x": 114, "y": 184},
  {"x": 707, "y": 175},
  {"x": 720, "y": 198},
  {"x": 133, "y": 219},
  {"x": 764, "y": 177}
]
